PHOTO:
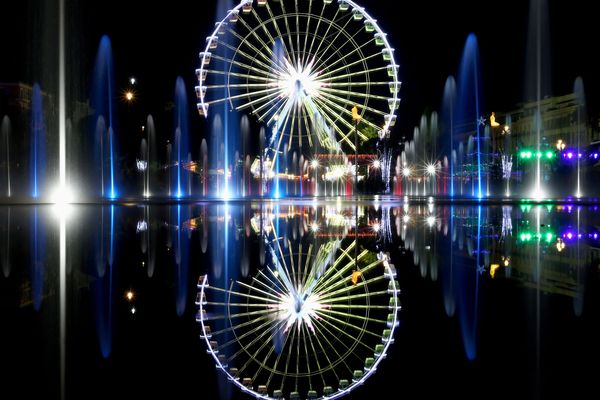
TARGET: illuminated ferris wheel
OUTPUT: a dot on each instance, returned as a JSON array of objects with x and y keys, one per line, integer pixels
[
  {"x": 300, "y": 67},
  {"x": 314, "y": 323}
]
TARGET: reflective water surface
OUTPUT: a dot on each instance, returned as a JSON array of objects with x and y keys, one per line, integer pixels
[{"x": 299, "y": 300}]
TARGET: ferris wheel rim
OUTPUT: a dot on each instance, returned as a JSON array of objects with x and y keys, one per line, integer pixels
[
  {"x": 394, "y": 99},
  {"x": 389, "y": 273}
]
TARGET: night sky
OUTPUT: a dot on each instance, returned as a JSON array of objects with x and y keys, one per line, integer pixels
[{"x": 158, "y": 42}]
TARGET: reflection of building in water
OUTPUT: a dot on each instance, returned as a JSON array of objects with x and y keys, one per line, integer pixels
[{"x": 314, "y": 322}]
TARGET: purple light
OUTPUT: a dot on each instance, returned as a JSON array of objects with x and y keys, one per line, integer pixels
[
  {"x": 579, "y": 236},
  {"x": 595, "y": 156},
  {"x": 579, "y": 155},
  {"x": 570, "y": 155},
  {"x": 569, "y": 236},
  {"x": 595, "y": 236}
]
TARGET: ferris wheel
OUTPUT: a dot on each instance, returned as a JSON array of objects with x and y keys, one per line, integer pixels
[
  {"x": 314, "y": 323},
  {"x": 300, "y": 67}
]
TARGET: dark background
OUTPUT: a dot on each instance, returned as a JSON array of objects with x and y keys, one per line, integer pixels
[{"x": 156, "y": 42}]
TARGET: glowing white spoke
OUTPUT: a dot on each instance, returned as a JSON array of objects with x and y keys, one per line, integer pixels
[
  {"x": 319, "y": 19},
  {"x": 239, "y": 96},
  {"x": 252, "y": 58},
  {"x": 245, "y": 76},
  {"x": 325, "y": 112},
  {"x": 276, "y": 102},
  {"x": 358, "y": 84},
  {"x": 307, "y": 34},
  {"x": 326, "y": 280},
  {"x": 241, "y": 86},
  {"x": 351, "y": 128},
  {"x": 268, "y": 94},
  {"x": 289, "y": 33},
  {"x": 250, "y": 287},
  {"x": 274, "y": 285},
  {"x": 333, "y": 23},
  {"x": 289, "y": 52},
  {"x": 240, "y": 64},
  {"x": 330, "y": 112},
  {"x": 300, "y": 60},
  {"x": 352, "y": 64},
  {"x": 325, "y": 311},
  {"x": 339, "y": 32},
  {"x": 330, "y": 97},
  {"x": 252, "y": 31},
  {"x": 323, "y": 296},
  {"x": 356, "y": 49}
]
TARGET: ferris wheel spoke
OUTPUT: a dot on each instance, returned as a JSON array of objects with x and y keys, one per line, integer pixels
[
  {"x": 242, "y": 325},
  {"x": 254, "y": 356},
  {"x": 360, "y": 329},
  {"x": 319, "y": 18},
  {"x": 273, "y": 287},
  {"x": 252, "y": 31},
  {"x": 354, "y": 94},
  {"x": 306, "y": 355},
  {"x": 329, "y": 99},
  {"x": 356, "y": 48},
  {"x": 250, "y": 287},
  {"x": 264, "y": 95},
  {"x": 330, "y": 116},
  {"x": 357, "y": 306},
  {"x": 327, "y": 280},
  {"x": 340, "y": 358},
  {"x": 246, "y": 76},
  {"x": 336, "y": 24},
  {"x": 249, "y": 296},
  {"x": 348, "y": 350},
  {"x": 357, "y": 296},
  {"x": 288, "y": 358},
  {"x": 245, "y": 66},
  {"x": 277, "y": 102},
  {"x": 238, "y": 339},
  {"x": 354, "y": 316},
  {"x": 289, "y": 32},
  {"x": 307, "y": 34},
  {"x": 281, "y": 133},
  {"x": 273, "y": 20},
  {"x": 252, "y": 58},
  {"x": 298, "y": 32},
  {"x": 348, "y": 289},
  {"x": 288, "y": 51},
  {"x": 320, "y": 369},
  {"x": 246, "y": 350},
  {"x": 277, "y": 360},
  {"x": 357, "y": 84},
  {"x": 366, "y": 72},
  {"x": 240, "y": 86},
  {"x": 328, "y": 289}
]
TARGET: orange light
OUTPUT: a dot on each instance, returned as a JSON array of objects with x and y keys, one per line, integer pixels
[
  {"x": 129, "y": 295},
  {"x": 355, "y": 276}
]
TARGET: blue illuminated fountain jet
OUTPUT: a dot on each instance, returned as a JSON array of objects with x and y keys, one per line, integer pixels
[{"x": 103, "y": 93}]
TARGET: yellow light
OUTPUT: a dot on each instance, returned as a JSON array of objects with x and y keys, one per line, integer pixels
[
  {"x": 355, "y": 116},
  {"x": 355, "y": 276},
  {"x": 129, "y": 96},
  {"x": 493, "y": 122},
  {"x": 129, "y": 295},
  {"x": 493, "y": 269}
]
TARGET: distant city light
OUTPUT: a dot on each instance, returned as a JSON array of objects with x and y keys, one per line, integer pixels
[
  {"x": 129, "y": 96},
  {"x": 132, "y": 80},
  {"x": 376, "y": 164},
  {"x": 129, "y": 295}
]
